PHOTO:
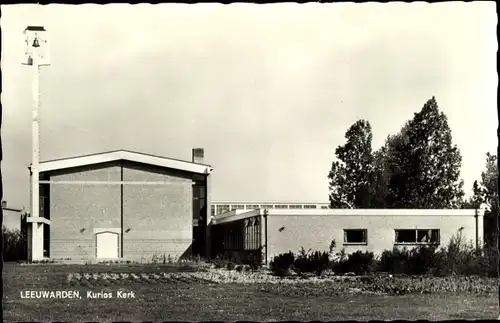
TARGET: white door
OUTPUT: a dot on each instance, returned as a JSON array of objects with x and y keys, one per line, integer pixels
[{"x": 107, "y": 244}]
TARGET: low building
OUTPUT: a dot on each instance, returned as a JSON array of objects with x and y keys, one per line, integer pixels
[
  {"x": 274, "y": 231},
  {"x": 121, "y": 205},
  {"x": 11, "y": 217}
]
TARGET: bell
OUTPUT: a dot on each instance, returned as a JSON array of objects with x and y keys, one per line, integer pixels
[{"x": 35, "y": 43}]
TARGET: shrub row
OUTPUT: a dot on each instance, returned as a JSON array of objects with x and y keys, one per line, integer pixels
[
  {"x": 316, "y": 262},
  {"x": 252, "y": 260},
  {"x": 457, "y": 258}
]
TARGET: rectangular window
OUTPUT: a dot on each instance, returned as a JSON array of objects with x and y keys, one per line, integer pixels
[
  {"x": 310, "y": 206},
  {"x": 435, "y": 236},
  {"x": 266, "y": 206},
  {"x": 252, "y": 233},
  {"x": 252, "y": 207},
  {"x": 417, "y": 236},
  {"x": 247, "y": 233},
  {"x": 256, "y": 225},
  {"x": 406, "y": 236},
  {"x": 355, "y": 236},
  {"x": 295, "y": 206},
  {"x": 281, "y": 206},
  {"x": 223, "y": 208},
  {"x": 237, "y": 207}
]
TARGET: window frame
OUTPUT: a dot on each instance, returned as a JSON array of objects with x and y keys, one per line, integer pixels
[
  {"x": 237, "y": 207},
  {"x": 365, "y": 235},
  {"x": 429, "y": 243},
  {"x": 222, "y": 208}
]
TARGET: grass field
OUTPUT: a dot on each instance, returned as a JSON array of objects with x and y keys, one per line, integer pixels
[{"x": 196, "y": 300}]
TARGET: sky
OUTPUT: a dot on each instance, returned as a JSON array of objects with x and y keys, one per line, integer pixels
[{"x": 267, "y": 90}]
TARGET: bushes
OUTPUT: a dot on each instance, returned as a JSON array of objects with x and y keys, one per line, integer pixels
[
  {"x": 488, "y": 261},
  {"x": 316, "y": 262},
  {"x": 358, "y": 262},
  {"x": 394, "y": 261},
  {"x": 254, "y": 259},
  {"x": 251, "y": 259},
  {"x": 417, "y": 261},
  {"x": 223, "y": 261},
  {"x": 300, "y": 264},
  {"x": 462, "y": 258},
  {"x": 423, "y": 260},
  {"x": 281, "y": 264},
  {"x": 457, "y": 258},
  {"x": 305, "y": 262},
  {"x": 14, "y": 245}
]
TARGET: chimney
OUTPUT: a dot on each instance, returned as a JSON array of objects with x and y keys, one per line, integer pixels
[
  {"x": 198, "y": 155},
  {"x": 4, "y": 204}
]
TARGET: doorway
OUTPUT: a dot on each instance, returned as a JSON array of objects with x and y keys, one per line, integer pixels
[{"x": 107, "y": 245}]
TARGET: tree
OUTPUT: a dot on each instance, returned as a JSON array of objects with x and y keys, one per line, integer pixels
[
  {"x": 486, "y": 192},
  {"x": 379, "y": 187},
  {"x": 423, "y": 164},
  {"x": 419, "y": 167},
  {"x": 351, "y": 176},
  {"x": 386, "y": 162},
  {"x": 475, "y": 201},
  {"x": 338, "y": 184},
  {"x": 489, "y": 181}
]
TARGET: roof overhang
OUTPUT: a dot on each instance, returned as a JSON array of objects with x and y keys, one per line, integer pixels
[
  {"x": 123, "y": 155},
  {"x": 236, "y": 215}
]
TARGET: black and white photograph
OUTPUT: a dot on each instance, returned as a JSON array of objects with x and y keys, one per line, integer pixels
[{"x": 249, "y": 162}]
